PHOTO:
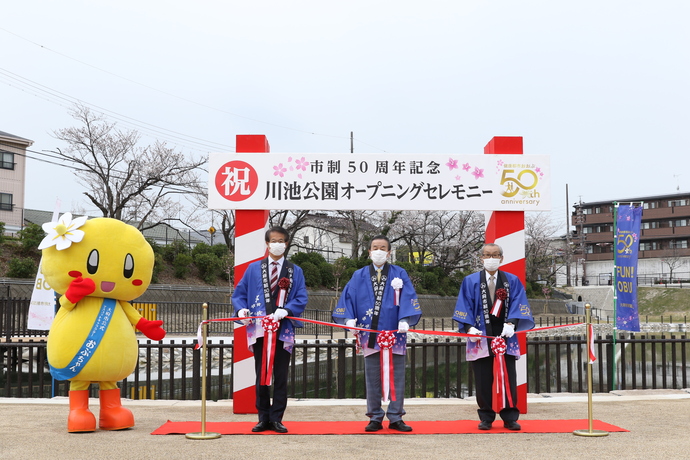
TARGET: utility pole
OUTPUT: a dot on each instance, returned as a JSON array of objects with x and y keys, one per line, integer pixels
[
  {"x": 579, "y": 221},
  {"x": 567, "y": 238},
  {"x": 352, "y": 142}
]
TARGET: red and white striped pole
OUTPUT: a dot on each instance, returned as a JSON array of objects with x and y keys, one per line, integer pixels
[
  {"x": 250, "y": 246},
  {"x": 507, "y": 229}
]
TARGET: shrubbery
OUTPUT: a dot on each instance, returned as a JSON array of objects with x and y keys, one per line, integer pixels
[
  {"x": 182, "y": 265},
  {"x": 30, "y": 237},
  {"x": 24, "y": 267}
]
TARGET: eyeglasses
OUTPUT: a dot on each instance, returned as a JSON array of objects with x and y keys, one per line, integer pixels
[{"x": 491, "y": 256}]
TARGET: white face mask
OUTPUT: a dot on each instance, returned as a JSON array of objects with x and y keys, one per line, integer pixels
[
  {"x": 277, "y": 249},
  {"x": 378, "y": 257},
  {"x": 491, "y": 265}
]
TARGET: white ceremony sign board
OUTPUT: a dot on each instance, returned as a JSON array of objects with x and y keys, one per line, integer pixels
[{"x": 379, "y": 181}]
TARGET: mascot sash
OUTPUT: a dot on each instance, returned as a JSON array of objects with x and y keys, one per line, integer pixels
[{"x": 88, "y": 348}]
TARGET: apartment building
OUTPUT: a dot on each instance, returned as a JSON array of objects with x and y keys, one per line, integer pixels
[
  {"x": 12, "y": 179},
  {"x": 664, "y": 250}
]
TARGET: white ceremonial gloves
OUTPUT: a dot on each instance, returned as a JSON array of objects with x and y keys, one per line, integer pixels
[
  {"x": 474, "y": 331},
  {"x": 243, "y": 313},
  {"x": 279, "y": 314},
  {"x": 508, "y": 330},
  {"x": 403, "y": 326},
  {"x": 351, "y": 323}
]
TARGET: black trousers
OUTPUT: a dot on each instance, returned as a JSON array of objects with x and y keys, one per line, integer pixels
[
  {"x": 272, "y": 411},
  {"x": 484, "y": 379}
]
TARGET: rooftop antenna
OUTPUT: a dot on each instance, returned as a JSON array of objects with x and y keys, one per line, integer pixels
[{"x": 677, "y": 182}]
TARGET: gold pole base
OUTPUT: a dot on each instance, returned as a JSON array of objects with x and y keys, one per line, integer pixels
[
  {"x": 205, "y": 435},
  {"x": 591, "y": 433}
]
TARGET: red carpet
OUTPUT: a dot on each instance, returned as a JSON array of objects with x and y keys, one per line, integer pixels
[{"x": 419, "y": 427}]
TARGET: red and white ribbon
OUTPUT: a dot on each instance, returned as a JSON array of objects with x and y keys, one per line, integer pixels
[
  {"x": 501, "y": 385},
  {"x": 270, "y": 326},
  {"x": 386, "y": 339},
  {"x": 590, "y": 345}
]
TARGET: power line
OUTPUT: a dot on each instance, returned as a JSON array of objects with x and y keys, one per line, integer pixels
[
  {"x": 76, "y": 168},
  {"x": 167, "y": 93},
  {"x": 146, "y": 127}
]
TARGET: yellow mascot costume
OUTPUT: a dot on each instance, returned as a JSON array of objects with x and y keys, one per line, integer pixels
[{"x": 99, "y": 266}]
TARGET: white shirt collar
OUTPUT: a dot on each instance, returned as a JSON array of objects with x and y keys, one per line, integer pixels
[{"x": 280, "y": 262}]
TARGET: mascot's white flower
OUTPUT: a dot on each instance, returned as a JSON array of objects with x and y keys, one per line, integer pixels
[{"x": 63, "y": 232}]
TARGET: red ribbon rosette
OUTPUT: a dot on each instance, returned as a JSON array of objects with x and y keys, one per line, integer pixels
[
  {"x": 270, "y": 326},
  {"x": 501, "y": 385},
  {"x": 283, "y": 285},
  {"x": 501, "y": 295},
  {"x": 385, "y": 340}
]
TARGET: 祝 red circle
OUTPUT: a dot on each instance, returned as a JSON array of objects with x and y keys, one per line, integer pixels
[{"x": 243, "y": 183}]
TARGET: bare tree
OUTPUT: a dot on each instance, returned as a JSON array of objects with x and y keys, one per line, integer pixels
[
  {"x": 673, "y": 259},
  {"x": 450, "y": 238},
  {"x": 543, "y": 258},
  {"x": 124, "y": 180},
  {"x": 360, "y": 227}
]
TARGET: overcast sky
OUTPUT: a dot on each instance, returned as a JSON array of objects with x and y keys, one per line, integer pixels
[{"x": 603, "y": 87}]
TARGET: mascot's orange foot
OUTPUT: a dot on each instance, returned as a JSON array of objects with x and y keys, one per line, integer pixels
[
  {"x": 80, "y": 418},
  {"x": 113, "y": 416}
]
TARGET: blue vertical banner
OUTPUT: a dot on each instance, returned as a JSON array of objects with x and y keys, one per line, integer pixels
[{"x": 627, "y": 248}]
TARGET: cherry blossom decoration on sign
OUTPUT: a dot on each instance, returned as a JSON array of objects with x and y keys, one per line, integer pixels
[{"x": 63, "y": 233}]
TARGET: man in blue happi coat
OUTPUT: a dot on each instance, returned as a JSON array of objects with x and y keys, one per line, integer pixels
[
  {"x": 493, "y": 303},
  {"x": 257, "y": 295},
  {"x": 369, "y": 301}
]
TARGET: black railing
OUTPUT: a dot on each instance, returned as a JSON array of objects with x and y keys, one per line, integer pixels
[{"x": 331, "y": 369}]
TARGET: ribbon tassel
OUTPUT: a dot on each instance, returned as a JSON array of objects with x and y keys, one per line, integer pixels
[
  {"x": 501, "y": 385},
  {"x": 385, "y": 340},
  {"x": 270, "y": 326}
]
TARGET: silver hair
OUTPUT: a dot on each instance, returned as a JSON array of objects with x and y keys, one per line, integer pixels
[{"x": 500, "y": 249}]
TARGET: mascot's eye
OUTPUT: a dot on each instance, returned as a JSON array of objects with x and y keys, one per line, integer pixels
[
  {"x": 129, "y": 266},
  {"x": 92, "y": 263}
]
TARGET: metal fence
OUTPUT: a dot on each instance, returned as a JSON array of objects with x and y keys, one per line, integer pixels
[
  {"x": 331, "y": 369},
  {"x": 183, "y": 318}
]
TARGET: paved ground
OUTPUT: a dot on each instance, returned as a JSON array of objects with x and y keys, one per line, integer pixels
[{"x": 658, "y": 421}]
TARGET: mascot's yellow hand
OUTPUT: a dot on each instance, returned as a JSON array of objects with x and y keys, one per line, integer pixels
[
  {"x": 151, "y": 329},
  {"x": 80, "y": 288}
]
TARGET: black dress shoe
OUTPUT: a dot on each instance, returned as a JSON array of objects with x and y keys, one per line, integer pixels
[
  {"x": 484, "y": 425},
  {"x": 261, "y": 426},
  {"x": 513, "y": 426},
  {"x": 278, "y": 427},
  {"x": 373, "y": 426},
  {"x": 400, "y": 426}
]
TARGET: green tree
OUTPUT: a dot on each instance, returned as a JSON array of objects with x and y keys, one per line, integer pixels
[
  {"x": 201, "y": 248},
  {"x": 30, "y": 237},
  {"x": 158, "y": 266},
  {"x": 312, "y": 274},
  {"x": 182, "y": 265},
  {"x": 24, "y": 267},
  {"x": 209, "y": 266},
  {"x": 171, "y": 251}
]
